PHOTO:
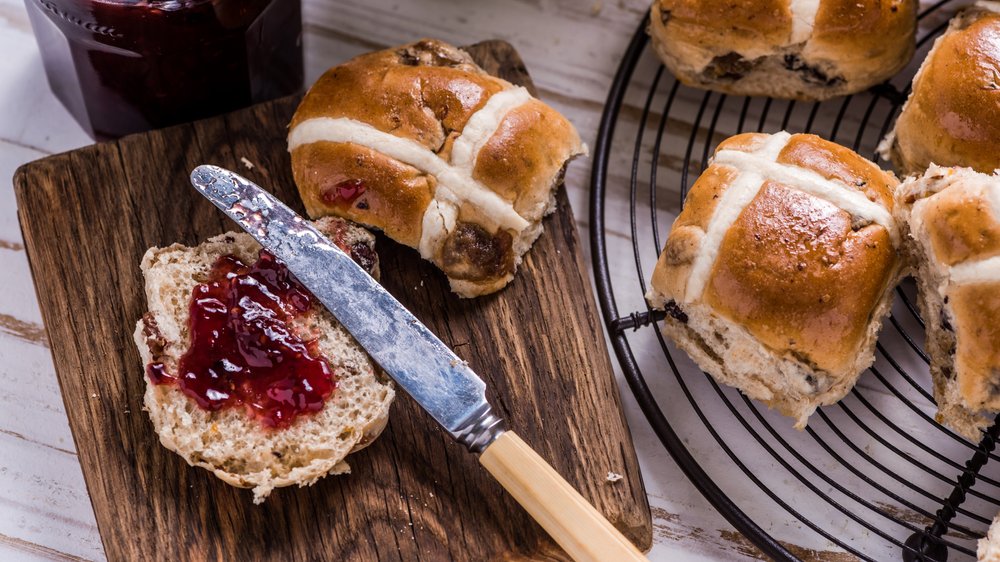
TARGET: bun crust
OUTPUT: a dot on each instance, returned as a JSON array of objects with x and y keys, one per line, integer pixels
[
  {"x": 229, "y": 443},
  {"x": 779, "y": 269},
  {"x": 952, "y": 221},
  {"x": 793, "y": 49},
  {"x": 420, "y": 142},
  {"x": 952, "y": 117}
]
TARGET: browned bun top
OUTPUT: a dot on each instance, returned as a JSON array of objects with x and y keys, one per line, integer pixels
[
  {"x": 866, "y": 25},
  {"x": 741, "y": 22},
  {"x": 798, "y": 267},
  {"x": 796, "y": 275},
  {"x": 953, "y": 115},
  {"x": 865, "y": 29},
  {"x": 839, "y": 163},
  {"x": 422, "y": 91},
  {"x": 961, "y": 227}
]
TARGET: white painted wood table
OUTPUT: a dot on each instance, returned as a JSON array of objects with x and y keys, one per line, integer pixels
[{"x": 572, "y": 50}]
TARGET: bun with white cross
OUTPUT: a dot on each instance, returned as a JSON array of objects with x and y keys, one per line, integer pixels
[
  {"x": 420, "y": 142},
  {"x": 951, "y": 219},
  {"x": 779, "y": 270},
  {"x": 793, "y": 49}
]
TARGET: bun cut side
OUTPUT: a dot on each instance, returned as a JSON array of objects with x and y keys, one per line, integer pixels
[{"x": 229, "y": 441}]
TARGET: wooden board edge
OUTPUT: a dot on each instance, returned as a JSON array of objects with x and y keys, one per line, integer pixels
[{"x": 641, "y": 534}]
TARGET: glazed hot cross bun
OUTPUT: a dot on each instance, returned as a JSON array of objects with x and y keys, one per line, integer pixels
[
  {"x": 794, "y": 49},
  {"x": 778, "y": 272},
  {"x": 952, "y": 220},
  {"x": 420, "y": 142}
]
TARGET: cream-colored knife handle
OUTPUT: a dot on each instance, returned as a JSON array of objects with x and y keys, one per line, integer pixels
[{"x": 568, "y": 518}]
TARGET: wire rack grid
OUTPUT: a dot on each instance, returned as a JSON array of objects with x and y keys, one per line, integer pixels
[{"x": 874, "y": 475}]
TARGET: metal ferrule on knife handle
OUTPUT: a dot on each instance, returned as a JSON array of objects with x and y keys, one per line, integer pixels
[
  {"x": 419, "y": 362},
  {"x": 481, "y": 429}
]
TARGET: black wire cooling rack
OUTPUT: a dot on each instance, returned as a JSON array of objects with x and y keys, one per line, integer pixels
[{"x": 874, "y": 475}]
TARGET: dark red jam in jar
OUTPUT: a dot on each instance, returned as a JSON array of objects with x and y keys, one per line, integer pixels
[
  {"x": 123, "y": 66},
  {"x": 243, "y": 348}
]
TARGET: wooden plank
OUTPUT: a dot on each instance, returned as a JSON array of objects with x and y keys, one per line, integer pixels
[{"x": 87, "y": 217}]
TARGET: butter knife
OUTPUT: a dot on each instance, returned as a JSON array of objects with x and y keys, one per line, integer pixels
[{"x": 419, "y": 362}]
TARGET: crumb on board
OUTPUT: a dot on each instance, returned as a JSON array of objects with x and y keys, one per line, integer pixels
[
  {"x": 614, "y": 477},
  {"x": 246, "y": 162}
]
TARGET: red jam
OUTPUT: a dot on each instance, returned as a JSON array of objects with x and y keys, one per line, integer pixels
[
  {"x": 243, "y": 350},
  {"x": 344, "y": 193}
]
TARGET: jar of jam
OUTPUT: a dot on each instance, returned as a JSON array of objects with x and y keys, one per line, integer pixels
[{"x": 123, "y": 66}]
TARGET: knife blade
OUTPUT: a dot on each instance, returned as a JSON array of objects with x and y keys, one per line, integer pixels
[
  {"x": 419, "y": 362},
  {"x": 430, "y": 372}
]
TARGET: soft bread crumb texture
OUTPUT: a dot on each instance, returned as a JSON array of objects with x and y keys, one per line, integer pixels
[{"x": 228, "y": 442}]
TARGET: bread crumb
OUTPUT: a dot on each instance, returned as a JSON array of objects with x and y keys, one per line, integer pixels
[
  {"x": 246, "y": 162},
  {"x": 94, "y": 395},
  {"x": 614, "y": 477},
  {"x": 595, "y": 9}
]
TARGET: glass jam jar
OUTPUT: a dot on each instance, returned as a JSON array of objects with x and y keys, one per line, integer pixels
[{"x": 123, "y": 66}]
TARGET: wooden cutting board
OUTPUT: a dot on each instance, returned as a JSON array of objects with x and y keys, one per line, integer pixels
[{"x": 88, "y": 216}]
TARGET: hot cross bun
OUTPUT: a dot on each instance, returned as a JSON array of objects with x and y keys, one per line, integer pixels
[
  {"x": 951, "y": 217},
  {"x": 420, "y": 142},
  {"x": 778, "y": 271}
]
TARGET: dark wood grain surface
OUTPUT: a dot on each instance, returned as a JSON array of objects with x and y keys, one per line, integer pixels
[{"x": 87, "y": 217}]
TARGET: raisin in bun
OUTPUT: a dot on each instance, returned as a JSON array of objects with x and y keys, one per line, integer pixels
[
  {"x": 780, "y": 268},
  {"x": 420, "y": 142},
  {"x": 793, "y": 49},
  {"x": 952, "y": 117},
  {"x": 952, "y": 220}
]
